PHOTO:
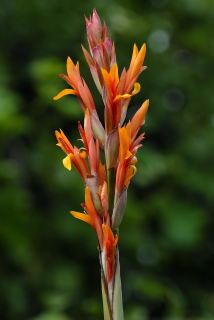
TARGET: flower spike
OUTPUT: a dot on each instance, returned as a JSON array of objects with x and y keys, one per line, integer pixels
[{"x": 107, "y": 159}]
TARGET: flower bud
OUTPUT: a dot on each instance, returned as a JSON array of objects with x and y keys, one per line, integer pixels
[
  {"x": 97, "y": 128},
  {"x": 111, "y": 149},
  {"x": 119, "y": 209},
  {"x": 91, "y": 182},
  {"x": 94, "y": 29}
]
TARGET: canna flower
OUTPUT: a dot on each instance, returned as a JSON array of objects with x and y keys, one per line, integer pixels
[
  {"x": 113, "y": 98},
  {"x": 129, "y": 145},
  {"x": 126, "y": 169},
  {"x": 74, "y": 155},
  {"x": 90, "y": 216},
  {"x": 115, "y": 141},
  {"x": 107, "y": 240},
  {"x": 116, "y": 91},
  {"x": 81, "y": 90},
  {"x": 109, "y": 250}
]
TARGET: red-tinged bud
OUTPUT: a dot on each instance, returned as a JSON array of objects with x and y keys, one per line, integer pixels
[
  {"x": 119, "y": 210},
  {"x": 94, "y": 29},
  {"x": 95, "y": 71},
  {"x": 97, "y": 128},
  {"x": 111, "y": 149},
  {"x": 96, "y": 74},
  {"x": 100, "y": 44},
  {"x": 109, "y": 46},
  {"x": 97, "y": 55}
]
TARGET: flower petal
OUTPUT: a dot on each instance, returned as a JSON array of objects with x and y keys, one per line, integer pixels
[
  {"x": 127, "y": 95},
  {"x": 130, "y": 173},
  {"x": 69, "y": 66},
  {"x": 122, "y": 96},
  {"x": 65, "y": 92},
  {"x": 81, "y": 216},
  {"x": 139, "y": 118},
  {"x": 125, "y": 141},
  {"x": 67, "y": 162},
  {"x": 136, "y": 88}
]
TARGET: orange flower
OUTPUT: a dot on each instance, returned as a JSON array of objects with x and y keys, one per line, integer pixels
[
  {"x": 113, "y": 98},
  {"x": 90, "y": 216},
  {"x": 109, "y": 248},
  {"x": 74, "y": 155},
  {"x": 80, "y": 88},
  {"x": 106, "y": 238},
  {"x": 116, "y": 91},
  {"x": 105, "y": 184},
  {"x": 124, "y": 162},
  {"x": 129, "y": 145},
  {"x": 128, "y": 78}
]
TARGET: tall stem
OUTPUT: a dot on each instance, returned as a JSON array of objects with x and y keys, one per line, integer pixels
[{"x": 112, "y": 292}]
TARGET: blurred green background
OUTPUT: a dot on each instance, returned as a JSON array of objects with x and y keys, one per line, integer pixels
[{"x": 49, "y": 262}]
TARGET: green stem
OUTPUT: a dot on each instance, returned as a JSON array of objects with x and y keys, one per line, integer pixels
[{"x": 112, "y": 293}]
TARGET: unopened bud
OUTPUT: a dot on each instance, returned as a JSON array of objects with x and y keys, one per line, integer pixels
[
  {"x": 94, "y": 29},
  {"x": 111, "y": 149},
  {"x": 97, "y": 128},
  {"x": 119, "y": 210}
]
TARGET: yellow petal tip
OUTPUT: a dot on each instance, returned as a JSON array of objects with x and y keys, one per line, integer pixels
[{"x": 67, "y": 162}]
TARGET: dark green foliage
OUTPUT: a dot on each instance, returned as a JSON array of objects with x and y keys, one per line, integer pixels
[{"x": 49, "y": 264}]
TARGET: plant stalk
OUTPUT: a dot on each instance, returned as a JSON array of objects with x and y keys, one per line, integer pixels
[{"x": 112, "y": 292}]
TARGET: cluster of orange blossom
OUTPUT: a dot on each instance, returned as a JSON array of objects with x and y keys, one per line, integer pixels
[{"x": 119, "y": 141}]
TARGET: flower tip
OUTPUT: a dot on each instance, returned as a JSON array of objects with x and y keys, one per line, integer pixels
[
  {"x": 56, "y": 133},
  {"x": 143, "y": 48},
  {"x": 69, "y": 59},
  {"x": 95, "y": 15},
  {"x": 146, "y": 103},
  {"x": 95, "y": 11}
]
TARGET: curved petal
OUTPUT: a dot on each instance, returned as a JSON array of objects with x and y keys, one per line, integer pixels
[
  {"x": 81, "y": 216},
  {"x": 130, "y": 173},
  {"x": 136, "y": 88},
  {"x": 127, "y": 95},
  {"x": 65, "y": 92},
  {"x": 67, "y": 162}
]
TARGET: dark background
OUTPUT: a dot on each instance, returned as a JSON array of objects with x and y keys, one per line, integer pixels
[{"x": 49, "y": 263}]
